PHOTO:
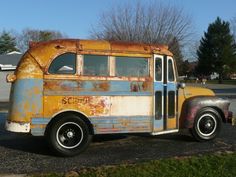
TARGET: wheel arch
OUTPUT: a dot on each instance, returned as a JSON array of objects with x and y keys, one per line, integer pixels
[
  {"x": 58, "y": 115},
  {"x": 221, "y": 113},
  {"x": 193, "y": 105}
]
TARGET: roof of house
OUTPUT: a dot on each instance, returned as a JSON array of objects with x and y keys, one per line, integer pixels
[{"x": 12, "y": 59}]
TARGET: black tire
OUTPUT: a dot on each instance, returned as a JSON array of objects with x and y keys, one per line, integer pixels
[
  {"x": 68, "y": 136},
  {"x": 207, "y": 125}
]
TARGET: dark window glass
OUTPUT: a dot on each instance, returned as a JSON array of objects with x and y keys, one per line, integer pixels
[
  {"x": 63, "y": 64},
  {"x": 158, "y": 105},
  {"x": 171, "y": 104},
  {"x": 171, "y": 76},
  {"x": 131, "y": 66},
  {"x": 95, "y": 65},
  {"x": 158, "y": 69}
]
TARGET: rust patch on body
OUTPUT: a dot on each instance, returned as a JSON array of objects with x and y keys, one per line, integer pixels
[
  {"x": 101, "y": 86},
  {"x": 88, "y": 105},
  {"x": 45, "y": 52},
  {"x": 141, "y": 86}
]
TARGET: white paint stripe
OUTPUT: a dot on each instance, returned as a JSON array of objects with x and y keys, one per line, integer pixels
[{"x": 131, "y": 106}]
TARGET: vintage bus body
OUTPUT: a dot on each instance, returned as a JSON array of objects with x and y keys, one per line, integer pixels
[{"x": 69, "y": 90}]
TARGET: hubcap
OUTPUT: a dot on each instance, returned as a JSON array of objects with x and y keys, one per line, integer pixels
[
  {"x": 69, "y": 135},
  {"x": 206, "y": 124}
]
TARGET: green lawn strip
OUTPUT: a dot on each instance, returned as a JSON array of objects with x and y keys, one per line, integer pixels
[{"x": 206, "y": 166}]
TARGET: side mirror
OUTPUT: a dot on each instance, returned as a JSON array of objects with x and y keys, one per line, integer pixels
[{"x": 181, "y": 85}]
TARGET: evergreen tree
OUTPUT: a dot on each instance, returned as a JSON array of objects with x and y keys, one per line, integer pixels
[
  {"x": 217, "y": 51},
  {"x": 7, "y": 43}
]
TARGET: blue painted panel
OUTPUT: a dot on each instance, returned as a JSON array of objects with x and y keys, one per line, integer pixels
[
  {"x": 118, "y": 119},
  {"x": 40, "y": 121},
  {"x": 26, "y": 98},
  {"x": 109, "y": 124},
  {"x": 171, "y": 86},
  {"x": 158, "y": 86},
  {"x": 158, "y": 124},
  {"x": 37, "y": 131},
  {"x": 82, "y": 88},
  {"x": 121, "y": 124},
  {"x": 87, "y": 93}
]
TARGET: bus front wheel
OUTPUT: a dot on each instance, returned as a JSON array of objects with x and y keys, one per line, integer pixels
[
  {"x": 68, "y": 136},
  {"x": 207, "y": 125}
]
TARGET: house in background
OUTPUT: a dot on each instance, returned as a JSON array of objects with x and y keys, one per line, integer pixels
[{"x": 9, "y": 61}]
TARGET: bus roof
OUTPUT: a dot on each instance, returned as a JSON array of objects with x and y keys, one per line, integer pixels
[{"x": 43, "y": 52}]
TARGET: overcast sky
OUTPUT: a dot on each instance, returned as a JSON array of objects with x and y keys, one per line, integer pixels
[{"x": 76, "y": 17}]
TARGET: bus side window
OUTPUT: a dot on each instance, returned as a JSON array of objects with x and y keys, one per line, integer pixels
[
  {"x": 63, "y": 64},
  {"x": 95, "y": 65},
  {"x": 132, "y": 67}
]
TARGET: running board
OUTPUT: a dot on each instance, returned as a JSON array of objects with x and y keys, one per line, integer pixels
[{"x": 165, "y": 132}]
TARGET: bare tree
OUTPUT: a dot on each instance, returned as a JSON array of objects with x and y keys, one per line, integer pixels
[
  {"x": 28, "y": 35},
  {"x": 151, "y": 23}
]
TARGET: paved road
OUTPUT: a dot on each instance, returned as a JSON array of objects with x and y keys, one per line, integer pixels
[{"x": 26, "y": 154}]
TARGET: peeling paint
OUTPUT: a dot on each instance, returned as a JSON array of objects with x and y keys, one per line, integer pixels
[{"x": 112, "y": 104}]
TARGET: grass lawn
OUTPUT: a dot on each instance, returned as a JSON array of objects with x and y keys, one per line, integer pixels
[{"x": 217, "y": 165}]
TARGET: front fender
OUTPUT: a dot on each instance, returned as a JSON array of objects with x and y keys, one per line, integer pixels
[{"x": 191, "y": 107}]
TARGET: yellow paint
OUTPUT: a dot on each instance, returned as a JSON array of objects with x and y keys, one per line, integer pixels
[
  {"x": 197, "y": 91},
  {"x": 171, "y": 123},
  {"x": 91, "y": 45},
  {"x": 188, "y": 92},
  {"x": 45, "y": 52},
  {"x": 28, "y": 68},
  {"x": 88, "y": 105}
]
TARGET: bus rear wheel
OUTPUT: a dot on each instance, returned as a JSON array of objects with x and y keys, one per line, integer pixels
[
  {"x": 68, "y": 136},
  {"x": 207, "y": 125}
]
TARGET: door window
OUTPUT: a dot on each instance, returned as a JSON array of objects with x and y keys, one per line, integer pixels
[
  {"x": 158, "y": 69},
  {"x": 171, "y": 76}
]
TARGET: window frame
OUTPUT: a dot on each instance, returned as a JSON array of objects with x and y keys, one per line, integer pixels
[{"x": 60, "y": 74}]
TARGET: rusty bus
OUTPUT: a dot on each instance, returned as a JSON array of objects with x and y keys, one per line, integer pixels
[{"x": 69, "y": 90}]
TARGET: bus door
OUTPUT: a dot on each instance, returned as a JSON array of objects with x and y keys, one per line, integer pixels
[{"x": 165, "y": 95}]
